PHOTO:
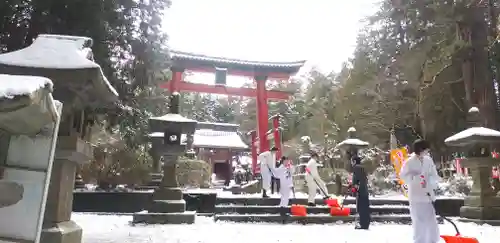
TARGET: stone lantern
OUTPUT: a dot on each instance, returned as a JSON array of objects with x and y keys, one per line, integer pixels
[
  {"x": 79, "y": 83},
  {"x": 351, "y": 144},
  {"x": 168, "y": 206},
  {"x": 482, "y": 204}
]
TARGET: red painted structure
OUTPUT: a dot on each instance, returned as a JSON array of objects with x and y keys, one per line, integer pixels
[{"x": 259, "y": 71}]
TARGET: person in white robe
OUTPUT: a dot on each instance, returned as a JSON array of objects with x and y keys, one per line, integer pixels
[
  {"x": 420, "y": 175},
  {"x": 283, "y": 172},
  {"x": 313, "y": 180},
  {"x": 267, "y": 164}
]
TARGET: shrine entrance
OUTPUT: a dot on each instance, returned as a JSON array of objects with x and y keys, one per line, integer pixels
[{"x": 222, "y": 67}]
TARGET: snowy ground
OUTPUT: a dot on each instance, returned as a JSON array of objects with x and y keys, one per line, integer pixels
[{"x": 116, "y": 229}]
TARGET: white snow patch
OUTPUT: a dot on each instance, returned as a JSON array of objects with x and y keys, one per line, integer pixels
[
  {"x": 117, "y": 229},
  {"x": 173, "y": 118},
  {"x": 473, "y": 131},
  {"x": 473, "y": 109},
  {"x": 353, "y": 141},
  {"x": 14, "y": 85}
]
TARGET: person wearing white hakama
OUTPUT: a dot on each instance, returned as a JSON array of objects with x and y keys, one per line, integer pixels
[
  {"x": 314, "y": 180},
  {"x": 267, "y": 164},
  {"x": 420, "y": 175},
  {"x": 283, "y": 172}
]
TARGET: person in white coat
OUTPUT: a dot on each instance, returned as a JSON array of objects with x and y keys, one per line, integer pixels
[
  {"x": 283, "y": 172},
  {"x": 267, "y": 164},
  {"x": 420, "y": 175},
  {"x": 313, "y": 180}
]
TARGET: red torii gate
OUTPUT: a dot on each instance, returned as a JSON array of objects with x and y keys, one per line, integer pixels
[{"x": 259, "y": 71}]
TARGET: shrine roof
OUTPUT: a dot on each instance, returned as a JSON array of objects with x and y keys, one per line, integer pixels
[
  {"x": 208, "y": 138},
  {"x": 218, "y": 126},
  {"x": 287, "y": 67}
]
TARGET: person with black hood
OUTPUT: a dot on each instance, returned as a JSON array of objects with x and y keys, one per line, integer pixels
[{"x": 359, "y": 187}]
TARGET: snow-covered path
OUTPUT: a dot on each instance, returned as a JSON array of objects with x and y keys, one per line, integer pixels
[{"x": 116, "y": 229}]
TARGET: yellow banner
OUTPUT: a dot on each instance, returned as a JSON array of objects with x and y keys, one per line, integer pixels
[{"x": 398, "y": 157}]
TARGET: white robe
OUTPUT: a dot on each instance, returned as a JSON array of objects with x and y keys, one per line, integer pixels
[
  {"x": 313, "y": 180},
  {"x": 286, "y": 183},
  {"x": 422, "y": 212},
  {"x": 267, "y": 164}
]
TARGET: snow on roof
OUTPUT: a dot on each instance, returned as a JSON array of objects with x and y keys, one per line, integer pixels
[
  {"x": 217, "y": 139},
  {"x": 52, "y": 51},
  {"x": 473, "y": 131},
  {"x": 173, "y": 118},
  {"x": 55, "y": 52},
  {"x": 353, "y": 141},
  {"x": 14, "y": 85},
  {"x": 208, "y": 138}
]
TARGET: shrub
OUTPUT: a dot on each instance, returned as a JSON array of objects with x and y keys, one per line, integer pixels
[{"x": 193, "y": 173}]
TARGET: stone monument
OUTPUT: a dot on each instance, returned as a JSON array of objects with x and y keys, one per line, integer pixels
[
  {"x": 482, "y": 205},
  {"x": 168, "y": 206},
  {"x": 79, "y": 83}
]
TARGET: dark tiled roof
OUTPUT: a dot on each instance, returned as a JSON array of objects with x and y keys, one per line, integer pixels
[{"x": 177, "y": 55}]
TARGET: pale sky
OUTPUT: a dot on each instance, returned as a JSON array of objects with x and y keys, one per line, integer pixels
[{"x": 323, "y": 32}]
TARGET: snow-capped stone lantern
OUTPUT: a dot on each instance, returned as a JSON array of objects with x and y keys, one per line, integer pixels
[
  {"x": 305, "y": 150},
  {"x": 351, "y": 144},
  {"x": 168, "y": 206},
  {"x": 481, "y": 205},
  {"x": 79, "y": 83}
]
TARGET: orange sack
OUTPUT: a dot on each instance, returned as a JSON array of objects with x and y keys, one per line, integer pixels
[
  {"x": 332, "y": 202},
  {"x": 338, "y": 211},
  {"x": 298, "y": 210}
]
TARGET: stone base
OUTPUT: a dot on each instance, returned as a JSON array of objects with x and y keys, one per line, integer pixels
[
  {"x": 164, "y": 218},
  {"x": 480, "y": 213},
  {"x": 480, "y": 221},
  {"x": 168, "y": 206},
  {"x": 63, "y": 232}
]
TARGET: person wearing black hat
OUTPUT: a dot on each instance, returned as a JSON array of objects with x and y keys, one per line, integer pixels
[
  {"x": 267, "y": 161},
  {"x": 359, "y": 187},
  {"x": 314, "y": 180},
  {"x": 420, "y": 175}
]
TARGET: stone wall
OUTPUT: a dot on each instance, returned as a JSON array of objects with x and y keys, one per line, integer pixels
[{"x": 131, "y": 202}]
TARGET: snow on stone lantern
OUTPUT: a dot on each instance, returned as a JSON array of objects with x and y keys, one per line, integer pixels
[
  {"x": 351, "y": 144},
  {"x": 482, "y": 204},
  {"x": 168, "y": 206},
  {"x": 81, "y": 86}
]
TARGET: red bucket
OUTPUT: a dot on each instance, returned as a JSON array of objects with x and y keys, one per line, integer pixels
[
  {"x": 458, "y": 239},
  {"x": 338, "y": 211},
  {"x": 332, "y": 202},
  {"x": 298, "y": 210}
]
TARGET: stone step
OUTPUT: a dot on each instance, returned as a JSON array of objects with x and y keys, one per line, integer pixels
[
  {"x": 275, "y": 201},
  {"x": 311, "y": 219},
  {"x": 255, "y": 209}
]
